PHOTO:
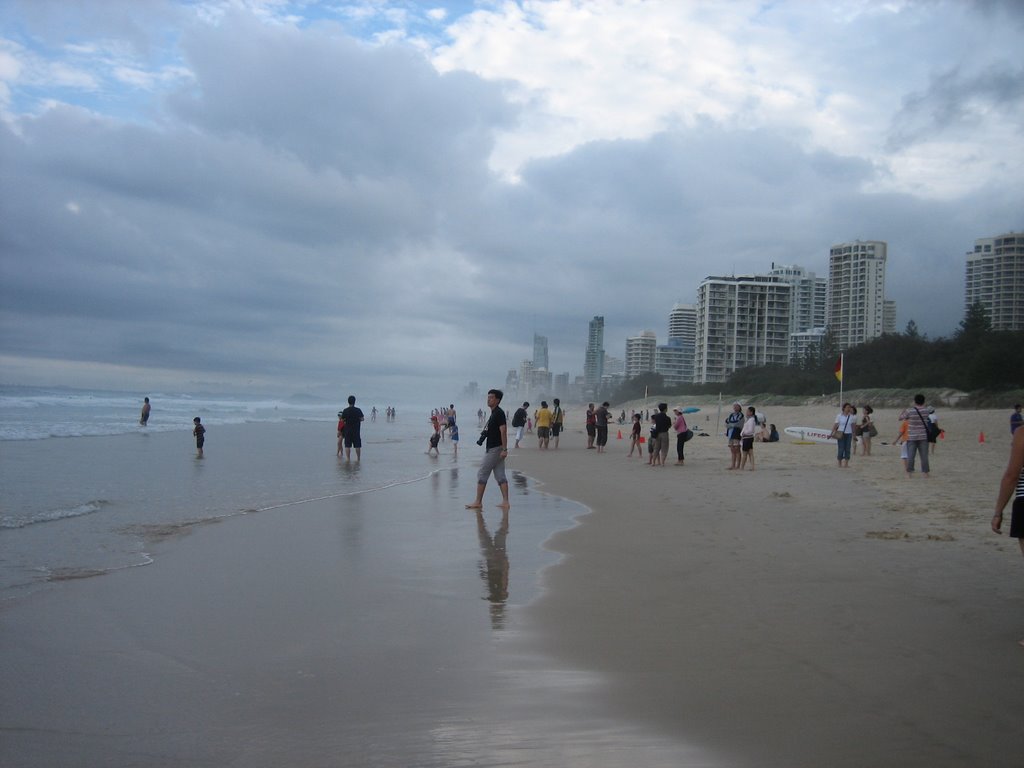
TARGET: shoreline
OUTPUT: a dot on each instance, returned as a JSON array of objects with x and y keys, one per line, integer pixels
[
  {"x": 798, "y": 615},
  {"x": 801, "y": 614}
]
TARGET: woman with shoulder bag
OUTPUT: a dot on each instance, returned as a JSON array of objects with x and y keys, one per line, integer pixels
[{"x": 842, "y": 431}]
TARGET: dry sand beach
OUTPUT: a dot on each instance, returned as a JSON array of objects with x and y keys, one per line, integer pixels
[
  {"x": 797, "y": 615},
  {"x": 800, "y": 614}
]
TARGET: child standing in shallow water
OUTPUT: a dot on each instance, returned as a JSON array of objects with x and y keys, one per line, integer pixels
[{"x": 199, "y": 433}]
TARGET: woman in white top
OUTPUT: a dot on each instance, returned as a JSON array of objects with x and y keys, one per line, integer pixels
[
  {"x": 747, "y": 437},
  {"x": 842, "y": 431}
]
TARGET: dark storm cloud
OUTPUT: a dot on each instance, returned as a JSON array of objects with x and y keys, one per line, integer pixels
[
  {"x": 283, "y": 206},
  {"x": 955, "y": 102}
]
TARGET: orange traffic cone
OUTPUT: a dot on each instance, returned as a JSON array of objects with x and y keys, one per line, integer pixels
[
  {"x": 620, "y": 434},
  {"x": 981, "y": 437}
]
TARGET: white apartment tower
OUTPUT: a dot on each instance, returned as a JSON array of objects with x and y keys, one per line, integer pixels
[
  {"x": 741, "y": 321},
  {"x": 640, "y": 351},
  {"x": 856, "y": 292},
  {"x": 995, "y": 277},
  {"x": 682, "y": 323},
  {"x": 674, "y": 360},
  {"x": 808, "y": 310}
]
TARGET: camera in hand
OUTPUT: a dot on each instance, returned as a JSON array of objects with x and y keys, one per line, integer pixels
[{"x": 483, "y": 438}]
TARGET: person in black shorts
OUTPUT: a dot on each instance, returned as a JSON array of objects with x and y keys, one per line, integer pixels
[
  {"x": 557, "y": 420},
  {"x": 353, "y": 418},
  {"x": 199, "y": 432},
  {"x": 601, "y": 417}
]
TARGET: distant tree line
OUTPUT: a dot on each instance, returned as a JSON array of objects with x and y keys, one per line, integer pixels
[{"x": 974, "y": 359}]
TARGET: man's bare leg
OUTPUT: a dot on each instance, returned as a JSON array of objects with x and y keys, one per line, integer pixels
[{"x": 479, "y": 503}]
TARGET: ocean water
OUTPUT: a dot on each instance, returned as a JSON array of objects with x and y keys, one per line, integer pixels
[
  {"x": 399, "y": 636},
  {"x": 84, "y": 489}
]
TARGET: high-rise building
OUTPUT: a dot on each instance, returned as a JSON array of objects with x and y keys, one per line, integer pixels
[
  {"x": 856, "y": 292},
  {"x": 674, "y": 360},
  {"x": 682, "y": 323},
  {"x": 613, "y": 366},
  {"x": 741, "y": 321},
  {"x": 640, "y": 353},
  {"x": 540, "y": 352},
  {"x": 995, "y": 278},
  {"x": 525, "y": 379},
  {"x": 889, "y": 317},
  {"x": 562, "y": 386},
  {"x": 593, "y": 360},
  {"x": 809, "y": 304}
]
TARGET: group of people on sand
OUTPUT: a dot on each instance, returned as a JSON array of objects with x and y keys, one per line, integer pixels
[
  {"x": 743, "y": 428},
  {"x": 918, "y": 432}
]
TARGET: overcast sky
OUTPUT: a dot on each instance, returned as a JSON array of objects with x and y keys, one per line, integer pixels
[{"x": 381, "y": 197}]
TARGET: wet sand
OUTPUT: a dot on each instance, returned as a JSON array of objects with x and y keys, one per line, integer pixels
[
  {"x": 800, "y": 614},
  {"x": 376, "y": 629}
]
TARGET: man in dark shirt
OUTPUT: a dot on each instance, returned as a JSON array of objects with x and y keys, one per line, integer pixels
[
  {"x": 496, "y": 438},
  {"x": 519, "y": 421},
  {"x": 662, "y": 425},
  {"x": 601, "y": 417},
  {"x": 353, "y": 418}
]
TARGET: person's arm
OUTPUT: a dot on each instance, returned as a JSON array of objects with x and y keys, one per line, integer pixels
[
  {"x": 503, "y": 430},
  {"x": 1008, "y": 484}
]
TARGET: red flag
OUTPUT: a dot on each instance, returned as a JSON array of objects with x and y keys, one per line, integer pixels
[{"x": 839, "y": 368}]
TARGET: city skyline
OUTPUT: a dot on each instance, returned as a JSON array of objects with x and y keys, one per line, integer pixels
[{"x": 810, "y": 295}]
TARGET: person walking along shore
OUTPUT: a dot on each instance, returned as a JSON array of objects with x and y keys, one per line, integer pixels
[{"x": 495, "y": 437}]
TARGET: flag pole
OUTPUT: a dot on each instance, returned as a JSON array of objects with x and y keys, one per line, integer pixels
[{"x": 842, "y": 376}]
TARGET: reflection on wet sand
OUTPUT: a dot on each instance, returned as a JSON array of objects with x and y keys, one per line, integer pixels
[{"x": 495, "y": 567}]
